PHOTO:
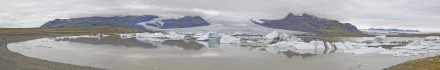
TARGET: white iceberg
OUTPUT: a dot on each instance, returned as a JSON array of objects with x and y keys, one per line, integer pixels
[
  {"x": 272, "y": 35},
  {"x": 434, "y": 48},
  {"x": 329, "y": 45},
  {"x": 304, "y": 46},
  {"x": 318, "y": 44},
  {"x": 229, "y": 39},
  {"x": 201, "y": 37},
  {"x": 365, "y": 50},
  {"x": 126, "y": 36},
  {"x": 349, "y": 45},
  {"x": 281, "y": 47},
  {"x": 339, "y": 45},
  {"x": 175, "y": 36},
  {"x": 377, "y": 39},
  {"x": 432, "y": 38}
]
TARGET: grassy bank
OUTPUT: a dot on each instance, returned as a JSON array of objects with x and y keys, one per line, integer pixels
[
  {"x": 367, "y": 35},
  {"x": 430, "y": 63}
]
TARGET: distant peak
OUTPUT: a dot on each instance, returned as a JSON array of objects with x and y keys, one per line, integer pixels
[
  {"x": 291, "y": 15},
  {"x": 307, "y": 15}
]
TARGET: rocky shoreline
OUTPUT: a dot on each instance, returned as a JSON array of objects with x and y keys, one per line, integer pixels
[{"x": 15, "y": 61}]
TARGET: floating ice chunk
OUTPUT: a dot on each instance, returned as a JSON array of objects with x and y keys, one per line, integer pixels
[
  {"x": 237, "y": 33},
  {"x": 304, "y": 46},
  {"x": 149, "y": 35},
  {"x": 434, "y": 48},
  {"x": 432, "y": 51},
  {"x": 272, "y": 35},
  {"x": 175, "y": 36},
  {"x": 418, "y": 52},
  {"x": 257, "y": 20},
  {"x": 229, "y": 39},
  {"x": 318, "y": 44},
  {"x": 126, "y": 36},
  {"x": 281, "y": 47},
  {"x": 214, "y": 36},
  {"x": 377, "y": 39},
  {"x": 340, "y": 46},
  {"x": 202, "y": 37},
  {"x": 349, "y": 45},
  {"x": 432, "y": 38},
  {"x": 329, "y": 45},
  {"x": 365, "y": 50},
  {"x": 410, "y": 47},
  {"x": 397, "y": 52}
]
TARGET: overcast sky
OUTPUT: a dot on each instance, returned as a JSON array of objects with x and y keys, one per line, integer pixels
[{"x": 410, "y": 14}]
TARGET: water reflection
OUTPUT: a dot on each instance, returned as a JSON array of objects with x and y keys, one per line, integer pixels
[
  {"x": 135, "y": 54},
  {"x": 185, "y": 44},
  {"x": 110, "y": 41},
  {"x": 290, "y": 54}
]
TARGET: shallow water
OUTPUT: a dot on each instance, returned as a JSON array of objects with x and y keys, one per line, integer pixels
[{"x": 132, "y": 54}]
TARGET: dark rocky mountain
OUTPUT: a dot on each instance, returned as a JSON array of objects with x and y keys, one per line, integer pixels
[
  {"x": 127, "y": 22},
  {"x": 117, "y": 21},
  {"x": 309, "y": 23},
  {"x": 184, "y": 22}
]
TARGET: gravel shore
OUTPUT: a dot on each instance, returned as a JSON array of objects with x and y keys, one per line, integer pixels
[{"x": 15, "y": 61}]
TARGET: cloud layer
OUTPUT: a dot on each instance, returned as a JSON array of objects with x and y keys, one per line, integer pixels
[{"x": 412, "y": 14}]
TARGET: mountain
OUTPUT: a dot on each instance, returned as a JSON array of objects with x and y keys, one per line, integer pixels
[
  {"x": 309, "y": 23},
  {"x": 183, "y": 22},
  {"x": 117, "y": 21},
  {"x": 128, "y": 22}
]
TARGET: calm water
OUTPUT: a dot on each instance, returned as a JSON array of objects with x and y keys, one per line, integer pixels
[{"x": 133, "y": 54}]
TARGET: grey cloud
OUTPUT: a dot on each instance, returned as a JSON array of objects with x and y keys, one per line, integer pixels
[{"x": 420, "y": 14}]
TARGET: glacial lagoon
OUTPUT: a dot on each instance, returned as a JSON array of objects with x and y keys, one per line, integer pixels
[{"x": 135, "y": 54}]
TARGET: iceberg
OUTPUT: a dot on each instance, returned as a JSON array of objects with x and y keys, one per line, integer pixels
[
  {"x": 126, "y": 36},
  {"x": 214, "y": 36},
  {"x": 329, "y": 45},
  {"x": 365, "y": 50},
  {"x": 318, "y": 44},
  {"x": 272, "y": 35},
  {"x": 349, "y": 45},
  {"x": 434, "y": 48},
  {"x": 377, "y": 39},
  {"x": 175, "y": 36},
  {"x": 282, "y": 46},
  {"x": 277, "y": 37},
  {"x": 304, "y": 46},
  {"x": 432, "y": 38},
  {"x": 339, "y": 45},
  {"x": 202, "y": 37},
  {"x": 229, "y": 39},
  {"x": 150, "y": 35}
]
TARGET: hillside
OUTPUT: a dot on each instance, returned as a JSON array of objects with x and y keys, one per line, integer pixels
[{"x": 310, "y": 23}]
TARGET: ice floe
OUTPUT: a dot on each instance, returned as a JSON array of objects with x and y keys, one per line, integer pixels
[
  {"x": 229, "y": 39},
  {"x": 282, "y": 42}
]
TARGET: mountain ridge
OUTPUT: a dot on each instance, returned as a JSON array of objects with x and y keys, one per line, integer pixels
[
  {"x": 128, "y": 22},
  {"x": 309, "y": 23}
]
